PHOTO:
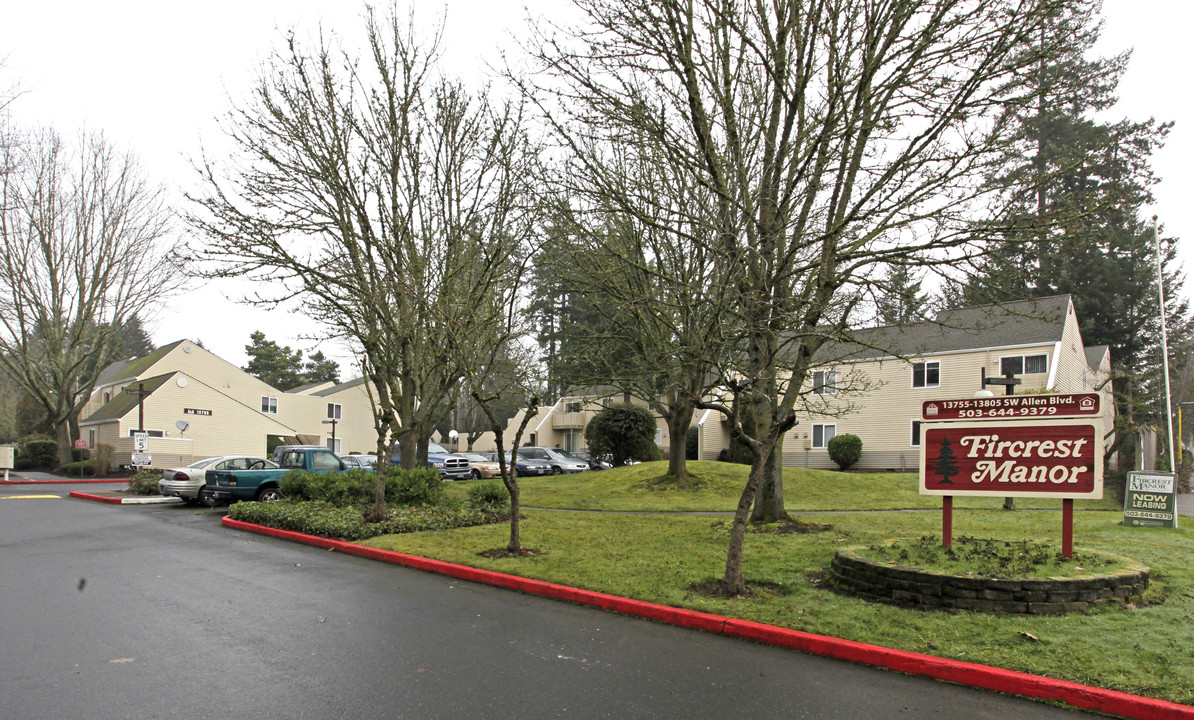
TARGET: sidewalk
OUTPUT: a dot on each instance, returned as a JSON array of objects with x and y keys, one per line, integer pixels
[{"x": 33, "y": 477}]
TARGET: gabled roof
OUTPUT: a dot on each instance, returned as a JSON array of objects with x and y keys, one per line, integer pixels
[
  {"x": 338, "y": 388},
  {"x": 122, "y": 402},
  {"x": 310, "y": 388},
  {"x": 131, "y": 368},
  {"x": 1026, "y": 322}
]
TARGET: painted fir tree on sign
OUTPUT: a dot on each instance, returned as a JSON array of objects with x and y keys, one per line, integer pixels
[{"x": 946, "y": 465}]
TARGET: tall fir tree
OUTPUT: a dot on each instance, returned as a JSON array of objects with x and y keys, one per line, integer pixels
[{"x": 1078, "y": 187}]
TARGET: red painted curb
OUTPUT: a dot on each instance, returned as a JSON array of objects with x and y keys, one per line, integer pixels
[
  {"x": 972, "y": 674},
  {"x": 59, "y": 482},
  {"x": 97, "y": 498}
]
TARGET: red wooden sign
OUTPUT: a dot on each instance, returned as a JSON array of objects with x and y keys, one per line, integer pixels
[
  {"x": 1010, "y": 407},
  {"x": 1045, "y": 458}
]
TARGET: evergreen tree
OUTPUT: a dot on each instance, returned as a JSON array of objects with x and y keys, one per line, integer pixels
[
  {"x": 900, "y": 300},
  {"x": 947, "y": 464},
  {"x": 1078, "y": 187},
  {"x": 319, "y": 368},
  {"x": 273, "y": 365}
]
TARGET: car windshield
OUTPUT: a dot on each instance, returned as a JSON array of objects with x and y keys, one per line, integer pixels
[
  {"x": 563, "y": 453},
  {"x": 206, "y": 461},
  {"x": 475, "y": 457},
  {"x": 434, "y": 447}
]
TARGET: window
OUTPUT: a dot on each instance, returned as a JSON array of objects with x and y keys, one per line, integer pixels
[
  {"x": 150, "y": 433},
  {"x": 572, "y": 407},
  {"x": 324, "y": 461},
  {"x": 334, "y": 410},
  {"x": 822, "y": 434},
  {"x": 1024, "y": 364},
  {"x": 334, "y": 445},
  {"x": 107, "y": 397},
  {"x": 915, "y": 433},
  {"x": 926, "y": 374},
  {"x": 269, "y": 405},
  {"x": 91, "y": 438},
  {"x": 825, "y": 382}
]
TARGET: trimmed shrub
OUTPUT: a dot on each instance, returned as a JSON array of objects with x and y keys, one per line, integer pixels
[
  {"x": 417, "y": 486},
  {"x": 624, "y": 432},
  {"x": 489, "y": 494},
  {"x": 82, "y": 468},
  {"x": 845, "y": 450},
  {"x": 358, "y": 487},
  {"x": 37, "y": 453},
  {"x": 348, "y": 523},
  {"x": 145, "y": 481}
]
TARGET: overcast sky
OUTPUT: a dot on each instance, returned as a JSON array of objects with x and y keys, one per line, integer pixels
[{"x": 153, "y": 76}]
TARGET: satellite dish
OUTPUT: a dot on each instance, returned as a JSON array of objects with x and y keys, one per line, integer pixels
[{"x": 182, "y": 425}]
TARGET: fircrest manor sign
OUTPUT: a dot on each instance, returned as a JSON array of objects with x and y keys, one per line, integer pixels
[{"x": 1044, "y": 458}]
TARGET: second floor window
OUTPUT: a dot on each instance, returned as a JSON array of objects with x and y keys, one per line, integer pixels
[
  {"x": 926, "y": 374},
  {"x": 572, "y": 407},
  {"x": 1024, "y": 364},
  {"x": 334, "y": 411},
  {"x": 825, "y": 382},
  {"x": 269, "y": 405}
]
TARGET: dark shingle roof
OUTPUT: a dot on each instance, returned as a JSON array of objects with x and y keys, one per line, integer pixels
[
  {"x": 131, "y": 368},
  {"x": 1026, "y": 322},
  {"x": 122, "y": 402},
  {"x": 1095, "y": 355},
  {"x": 337, "y": 388}
]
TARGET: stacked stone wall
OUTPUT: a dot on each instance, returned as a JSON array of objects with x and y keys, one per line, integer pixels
[{"x": 910, "y": 586}]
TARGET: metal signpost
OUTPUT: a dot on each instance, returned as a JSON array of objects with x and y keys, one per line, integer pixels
[
  {"x": 1049, "y": 447},
  {"x": 140, "y": 445}
]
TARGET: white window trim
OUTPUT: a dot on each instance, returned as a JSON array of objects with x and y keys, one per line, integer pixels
[
  {"x": 333, "y": 445},
  {"x": 824, "y": 443},
  {"x": 335, "y": 411},
  {"x": 828, "y": 384},
  {"x": 926, "y": 386},
  {"x": 273, "y": 401},
  {"x": 1023, "y": 357}
]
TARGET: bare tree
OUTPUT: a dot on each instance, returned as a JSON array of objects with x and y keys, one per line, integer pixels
[
  {"x": 86, "y": 248},
  {"x": 377, "y": 197},
  {"x": 831, "y": 137}
]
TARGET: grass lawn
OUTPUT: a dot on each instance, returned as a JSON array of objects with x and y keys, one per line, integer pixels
[
  {"x": 659, "y": 558},
  {"x": 718, "y": 486}
]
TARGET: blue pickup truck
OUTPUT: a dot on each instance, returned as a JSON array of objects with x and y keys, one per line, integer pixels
[
  {"x": 450, "y": 465},
  {"x": 228, "y": 485}
]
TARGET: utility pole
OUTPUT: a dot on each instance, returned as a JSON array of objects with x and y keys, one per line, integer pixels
[{"x": 141, "y": 394}]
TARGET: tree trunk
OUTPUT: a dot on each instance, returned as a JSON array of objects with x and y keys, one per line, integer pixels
[
  {"x": 65, "y": 442},
  {"x": 769, "y": 501},
  {"x": 678, "y": 421},
  {"x": 515, "y": 544},
  {"x": 732, "y": 583}
]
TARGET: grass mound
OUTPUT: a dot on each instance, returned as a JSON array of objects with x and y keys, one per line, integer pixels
[{"x": 991, "y": 558}]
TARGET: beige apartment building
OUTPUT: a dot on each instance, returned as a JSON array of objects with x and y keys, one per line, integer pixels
[
  {"x": 195, "y": 404},
  {"x": 875, "y": 388}
]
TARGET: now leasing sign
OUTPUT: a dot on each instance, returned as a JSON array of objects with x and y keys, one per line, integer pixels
[{"x": 1040, "y": 458}]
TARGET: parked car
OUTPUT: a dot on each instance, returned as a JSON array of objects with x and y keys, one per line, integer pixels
[
  {"x": 527, "y": 467},
  {"x": 560, "y": 461},
  {"x": 594, "y": 463},
  {"x": 262, "y": 484},
  {"x": 190, "y": 482},
  {"x": 482, "y": 466},
  {"x": 451, "y": 466},
  {"x": 365, "y": 462}
]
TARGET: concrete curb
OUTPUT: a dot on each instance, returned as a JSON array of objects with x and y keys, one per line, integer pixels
[
  {"x": 980, "y": 676},
  {"x": 60, "y": 482},
  {"x": 126, "y": 500}
]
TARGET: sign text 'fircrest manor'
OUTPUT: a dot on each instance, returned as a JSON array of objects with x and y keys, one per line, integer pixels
[{"x": 1050, "y": 458}]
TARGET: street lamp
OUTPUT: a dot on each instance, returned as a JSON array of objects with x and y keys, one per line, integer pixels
[{"x": 332, "y": 422}]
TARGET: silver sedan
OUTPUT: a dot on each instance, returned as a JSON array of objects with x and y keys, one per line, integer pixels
[{"x": 189, "y": 483}]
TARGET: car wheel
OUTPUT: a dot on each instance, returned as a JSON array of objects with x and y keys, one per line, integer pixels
[
  {"x": 206, "y": 497},
  {"x": 476, "y": 474},
  {"x": 555, "y": 470},
  {"x": 269, "y": 494}
]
